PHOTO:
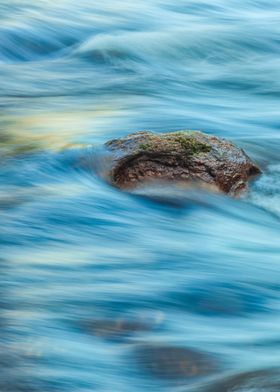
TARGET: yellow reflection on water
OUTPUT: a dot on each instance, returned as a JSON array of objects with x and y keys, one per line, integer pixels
[{"x": 28, "y": 133}]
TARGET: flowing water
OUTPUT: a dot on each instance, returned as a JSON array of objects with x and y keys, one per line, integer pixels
[{"x": 108, "y": 291}]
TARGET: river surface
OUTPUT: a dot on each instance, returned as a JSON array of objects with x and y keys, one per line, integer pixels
[{"x": 170, "y": 290}]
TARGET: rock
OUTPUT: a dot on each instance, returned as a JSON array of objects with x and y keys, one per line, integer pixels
[
  {"x": 174, "y": 362},
  {"x": 190, "y": 157},
  {"x": 115, "y": 329},
  {"x": 256, "y": 380}
]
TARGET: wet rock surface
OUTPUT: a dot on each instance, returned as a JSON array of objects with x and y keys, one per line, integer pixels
[
  {"x": 189, "y": 157},
  {"x": 171, "y": 362}
]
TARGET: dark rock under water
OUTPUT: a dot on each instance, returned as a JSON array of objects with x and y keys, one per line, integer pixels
[{"x": 173, "y": 362}]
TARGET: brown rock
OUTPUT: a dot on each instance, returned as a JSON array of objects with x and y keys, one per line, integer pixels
[{"x": 185, "y": 156}]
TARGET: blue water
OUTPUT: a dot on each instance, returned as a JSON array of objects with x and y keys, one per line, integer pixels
[{"x": 189, "y": 269}]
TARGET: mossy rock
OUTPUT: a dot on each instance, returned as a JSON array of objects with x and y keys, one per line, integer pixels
[
  {"x": 180, "y": 142},
  {"x": 186, "y": 156}
]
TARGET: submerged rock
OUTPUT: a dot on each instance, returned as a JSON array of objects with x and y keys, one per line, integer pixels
[
  {"x": 185, "y": 157},
  {"x": 174, "y": 362},
  {"x": 251, "y": 381},
  {"x": 114, "y": 329}
]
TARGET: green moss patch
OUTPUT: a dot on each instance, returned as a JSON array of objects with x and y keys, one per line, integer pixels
[{"x": 183, "y": 141}]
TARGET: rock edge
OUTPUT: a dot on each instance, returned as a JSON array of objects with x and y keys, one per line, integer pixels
[{"x": 189, "y": 157}]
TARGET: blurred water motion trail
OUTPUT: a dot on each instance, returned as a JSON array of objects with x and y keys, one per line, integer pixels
[{"x": 109, "y": 291}]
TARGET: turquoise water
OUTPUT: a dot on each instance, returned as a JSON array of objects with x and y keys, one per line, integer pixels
[{"x": 90, "y": 276}]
